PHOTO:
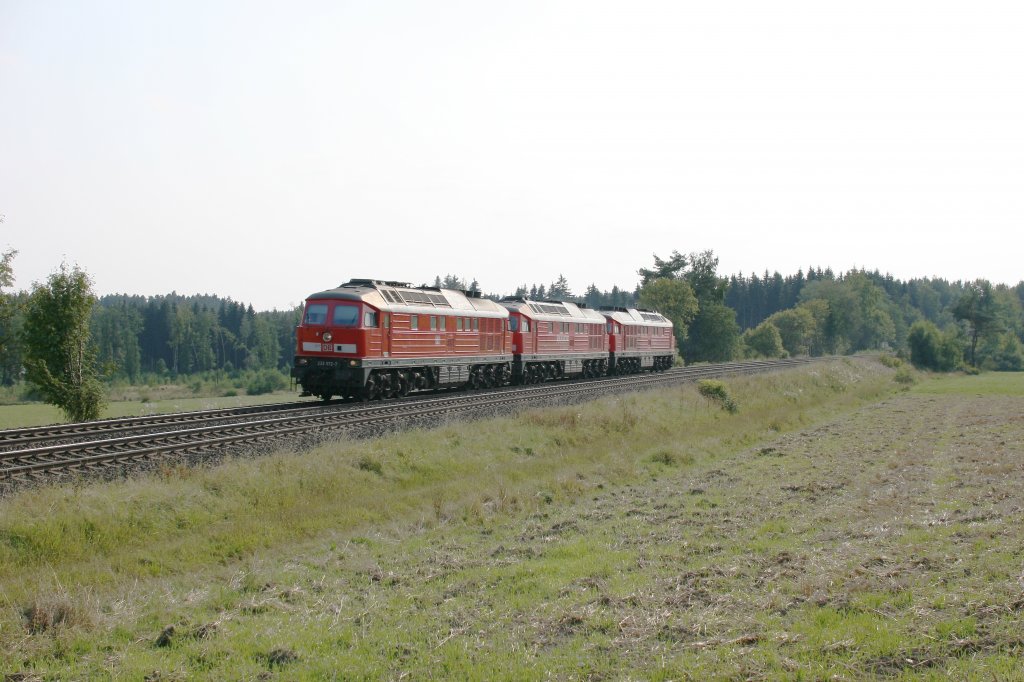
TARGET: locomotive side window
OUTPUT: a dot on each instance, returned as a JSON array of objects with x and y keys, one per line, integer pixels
[
  {"x": 433, "y": 323},
  {"x": 370, "y": 319},
  {"x": 316, "y": 313},
  {"x": 476, "y": 324},
  {"x": 458, "y": 324},
  {"x": 526, "y": 326},
  {"x": 345, "y": 315},
  {"x": 414, "y": 322}
]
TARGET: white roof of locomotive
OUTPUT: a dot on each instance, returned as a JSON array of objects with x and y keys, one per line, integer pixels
[
  {"x": 633, "y": 316},
  {"x": 553, "y": 311},
  {"x": 398, "y": 297}
]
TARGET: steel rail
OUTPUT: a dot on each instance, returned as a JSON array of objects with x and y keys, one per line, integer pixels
[
  {"x": 30, "y": 434},
  {"x": 81, "y": 431},
  {"x": 50, "y": 458}
]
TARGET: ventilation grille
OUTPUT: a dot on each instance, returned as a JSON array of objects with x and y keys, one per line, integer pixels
[
  {"x": 546, "y": 309},
  {"x": 417, "y": 298}
]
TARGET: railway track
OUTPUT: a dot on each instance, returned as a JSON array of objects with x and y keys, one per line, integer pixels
[{"x": 47, "y": 452}]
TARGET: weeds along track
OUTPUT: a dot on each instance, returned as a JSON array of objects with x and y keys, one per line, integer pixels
[{"x": 107, "y": 447}]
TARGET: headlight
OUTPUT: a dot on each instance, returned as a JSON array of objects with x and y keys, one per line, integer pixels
[
  {"x": 327, "y": 337},
  {"x": 353, "y": 363}
]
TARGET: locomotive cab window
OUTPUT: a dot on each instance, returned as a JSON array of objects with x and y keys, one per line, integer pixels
[
  {"x": 316, "y": 313},
  {"x": 513, "y": 324},
  {"x": 370, "y": 319},
  {"x": 526, "y": 326},
  {"x": 345, "y": 315}
]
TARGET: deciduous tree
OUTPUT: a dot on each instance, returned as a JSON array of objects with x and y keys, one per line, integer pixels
[
  {"x": 764, "y": 341},
  {"x": 714, "y": 335},
  {"x": 59, "y": 356},
  {"x": 673, "y": 298},
  {"x": 796, "y": 329}
]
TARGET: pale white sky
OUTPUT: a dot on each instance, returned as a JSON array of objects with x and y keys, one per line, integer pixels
[{"x": 266, "y": 150}]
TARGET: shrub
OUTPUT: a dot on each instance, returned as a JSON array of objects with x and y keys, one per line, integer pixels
[
  {"x": 904, "y": 376},
  {"x": 890, "y": 361},
  {"x": 716, "y": 392},
  {"x": 764, "y": 341},
  {"x": 266, "y": 381},
  {"x": 663, "y": 457},
  {"x": 367, "y": 463},
  {"x": 931, "y": 349},
  {"x": 1004, "y": 353}
]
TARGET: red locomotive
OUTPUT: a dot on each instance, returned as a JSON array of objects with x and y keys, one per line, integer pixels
[
  {"x": 638, "y": 340},
  {"x": 376, "y": 339},
  {"x": 555, "y": 339},
  {"x": 372, "y": 339}
]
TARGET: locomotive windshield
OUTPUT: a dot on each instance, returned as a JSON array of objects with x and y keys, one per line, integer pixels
[
  {"x": 346, "y": 315},
  {"x": 316, "y": 313}
]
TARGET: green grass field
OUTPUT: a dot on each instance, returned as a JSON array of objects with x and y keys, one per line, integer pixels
[
  {"x": 989, "y": 383},
  {"x": 836, "y": 527},
  {"x": 153, "y": 402}
]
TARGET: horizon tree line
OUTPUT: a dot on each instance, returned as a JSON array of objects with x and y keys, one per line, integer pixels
[{"x": 938, "y": 324}]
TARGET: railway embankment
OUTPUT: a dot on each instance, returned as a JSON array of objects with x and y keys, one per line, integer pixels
[{"x": 836, "y": 523}]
